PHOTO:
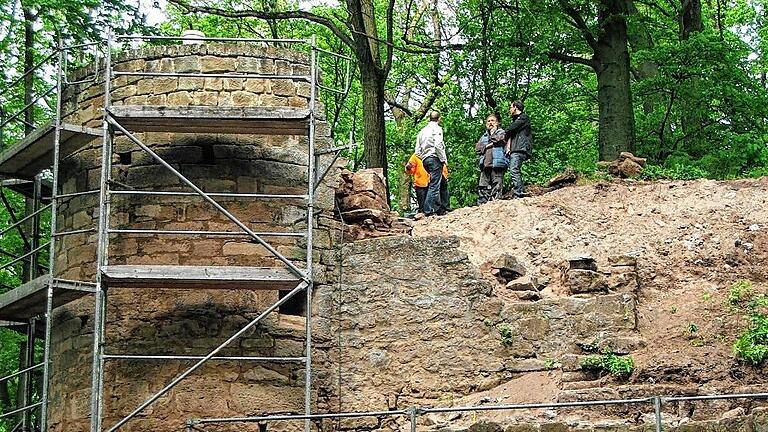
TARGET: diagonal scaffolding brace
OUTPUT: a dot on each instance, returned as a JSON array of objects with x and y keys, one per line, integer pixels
[
  {"x": 208, "y": 357},
  {"x": 291, "y": 266}
]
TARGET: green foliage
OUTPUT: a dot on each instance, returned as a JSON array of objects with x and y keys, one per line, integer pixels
[
  {"x": 752, "y": 344},
  {"x": 610, "y": 363},
  {"x": 739, "y": 292},
  {"x": 551, "y": 364},
  {"x": 692, "y": 328},
  {"x": 507, "y": 333}
]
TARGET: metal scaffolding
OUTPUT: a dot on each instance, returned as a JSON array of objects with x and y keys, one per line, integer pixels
[
  {"x": 46, "y": 145},
  {"x": 126, "y": 120},
  {"x": 23, "y": 168}
]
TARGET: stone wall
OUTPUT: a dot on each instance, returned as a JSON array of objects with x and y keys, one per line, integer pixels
[
  {"x": 162, "y": 321},
  {"x": 411, "y": 322},
  {"x": 414, "y": 323}
]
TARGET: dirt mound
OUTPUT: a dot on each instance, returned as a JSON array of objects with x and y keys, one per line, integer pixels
[{"x": 692, "y": 241}]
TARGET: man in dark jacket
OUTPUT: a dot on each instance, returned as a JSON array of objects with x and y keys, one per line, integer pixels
[{"x": 519, "y": 145}]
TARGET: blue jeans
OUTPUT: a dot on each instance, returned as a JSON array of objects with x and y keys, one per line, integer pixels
[
  {"x": 515, "y": 163},
  {"x": 435, "y": 169}
]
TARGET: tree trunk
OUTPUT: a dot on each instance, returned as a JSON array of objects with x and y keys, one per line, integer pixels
[
  {"x": 692, "y": 113},
  {"x": 690, "y": 18},
  {"x": 375, "y": 151},
  {"x": 616, "y": 117},
  {"x": 29, "y": 63}
]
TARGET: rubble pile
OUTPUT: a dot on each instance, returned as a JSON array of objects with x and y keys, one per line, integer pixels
[
  {"x": 363, "y": 207},
  {"x": 626, "y": 166}
]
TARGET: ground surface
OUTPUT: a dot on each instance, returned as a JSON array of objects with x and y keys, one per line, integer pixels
[{"x": 693, "y": 240}]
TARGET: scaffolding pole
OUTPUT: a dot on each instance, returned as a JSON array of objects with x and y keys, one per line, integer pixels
[
  {"x": 99, "y": 313},
  {"x": 52, "y": 246}
]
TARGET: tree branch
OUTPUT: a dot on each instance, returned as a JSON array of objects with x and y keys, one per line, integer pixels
[
  {"x": 579, "y": 23},
  {"x": 308, "y": 16},
  {"x": 554, "y": 55}
]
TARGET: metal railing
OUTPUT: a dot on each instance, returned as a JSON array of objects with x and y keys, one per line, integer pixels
[{"x": 414, "y": 413}]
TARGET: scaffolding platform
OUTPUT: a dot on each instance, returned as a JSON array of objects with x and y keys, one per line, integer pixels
[
  {"x": 27, "y": 188},
  {"x": 29, "y": 300},
  {"x": 34, "y": 152},
  {"x": 190, "y": 277},
  {"x": 212, "y": 119}
]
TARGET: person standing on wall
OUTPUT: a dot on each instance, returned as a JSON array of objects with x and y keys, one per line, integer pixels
[
  {"x": 430, "y": 148},
  {"x": 493, "y": 160},
  {"x": 519, "y": 145}
]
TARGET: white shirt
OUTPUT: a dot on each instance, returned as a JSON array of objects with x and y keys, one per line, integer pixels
[{"x": 430, "y": 142}]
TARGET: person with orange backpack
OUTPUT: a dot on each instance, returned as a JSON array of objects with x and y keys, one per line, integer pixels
[{"x": 415, "y": 168}]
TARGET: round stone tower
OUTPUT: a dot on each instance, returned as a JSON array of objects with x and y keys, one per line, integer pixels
[{"x": 160, "y": 320}]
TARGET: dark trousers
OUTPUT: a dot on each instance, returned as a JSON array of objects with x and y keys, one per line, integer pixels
[
  {"x": 445, "y": 199},
  {"x": 515, "y": 163},
  {"x": 421, "y": 196},
  {"x": 490, "y": 185},
  {"x": 435, "y": 169}
]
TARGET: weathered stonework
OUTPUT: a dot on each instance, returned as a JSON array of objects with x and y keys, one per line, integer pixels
[{"x": 189, "y": 322}]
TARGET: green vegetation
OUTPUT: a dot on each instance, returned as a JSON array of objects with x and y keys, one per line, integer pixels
[
  {"x": 551, "y": 364},
  {"x": 609, "y": 363},
  {"x": 507, "y": 334},
  {"x": 752, "y": 344},
  {"x": 739, "y": 292}
]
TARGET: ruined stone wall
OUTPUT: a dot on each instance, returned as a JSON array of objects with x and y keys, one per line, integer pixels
[
  {"x": 158, "y": 321},
  {"x": 411, "y": 322},
  {"x": 414, "y": 323}
]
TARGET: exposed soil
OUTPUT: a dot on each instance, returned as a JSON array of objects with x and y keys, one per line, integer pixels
[{"x": 693, "y": 240}]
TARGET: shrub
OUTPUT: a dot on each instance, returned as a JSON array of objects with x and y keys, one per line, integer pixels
[
  {"x": 507, "y": 334},
  {"x": 752, "y": 345},
  {"x": 740, "y": 291},
  {"x": 610, "y": 363}
]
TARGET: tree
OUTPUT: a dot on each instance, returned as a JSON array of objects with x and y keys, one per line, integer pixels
[{"x": 608, "y": 56}]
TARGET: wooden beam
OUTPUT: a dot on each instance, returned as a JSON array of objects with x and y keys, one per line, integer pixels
[
  {"x": 30, "y": 300},
  {"x": 207, "y": 277},
  {"x": 34, "y": 153}
]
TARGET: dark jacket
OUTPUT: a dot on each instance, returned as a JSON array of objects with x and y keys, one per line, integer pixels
[
  {"x": 519, "y": 132},
  {"x": 494, "y": 156}
]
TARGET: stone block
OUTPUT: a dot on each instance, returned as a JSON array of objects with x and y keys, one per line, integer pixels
[
  {"x": 265, "y": 375},
  {"x": 303, "y": 89},
  {"x": 187, "y": 64},
  {"x": 205, "y": 98},
  {"x": 217, "y": 64},
  {"x": 528, "y": 295},
  {"x": 585, "y": 281},
  {"x": 266, "y": 66},
  {"x": 272, "y": 100},
  {"x": 525, "y": 365},
  {"x": 191, "y": 83},
  {"x": 242, "y": 248},
  {"x": 298, "y": 102},
  {"x": 282, "y": 67},
  {"x": 136, "y": 100},
  {"x": 145, "y": 87},
  {"x": 256, "y": 85},
  {"x": 121, "y": 93},
  {"x": 159, "y": 99},
  {"x": 180, "y": 98},
  {"x": 524, "y": 283},
  {"x": 283, "y": 88},
  {"x": 207, "y": 247},
  {"x": 213, "y": 84},
  {"x": 233, "y": 84},
  {"x": 244, "y": 99}
]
